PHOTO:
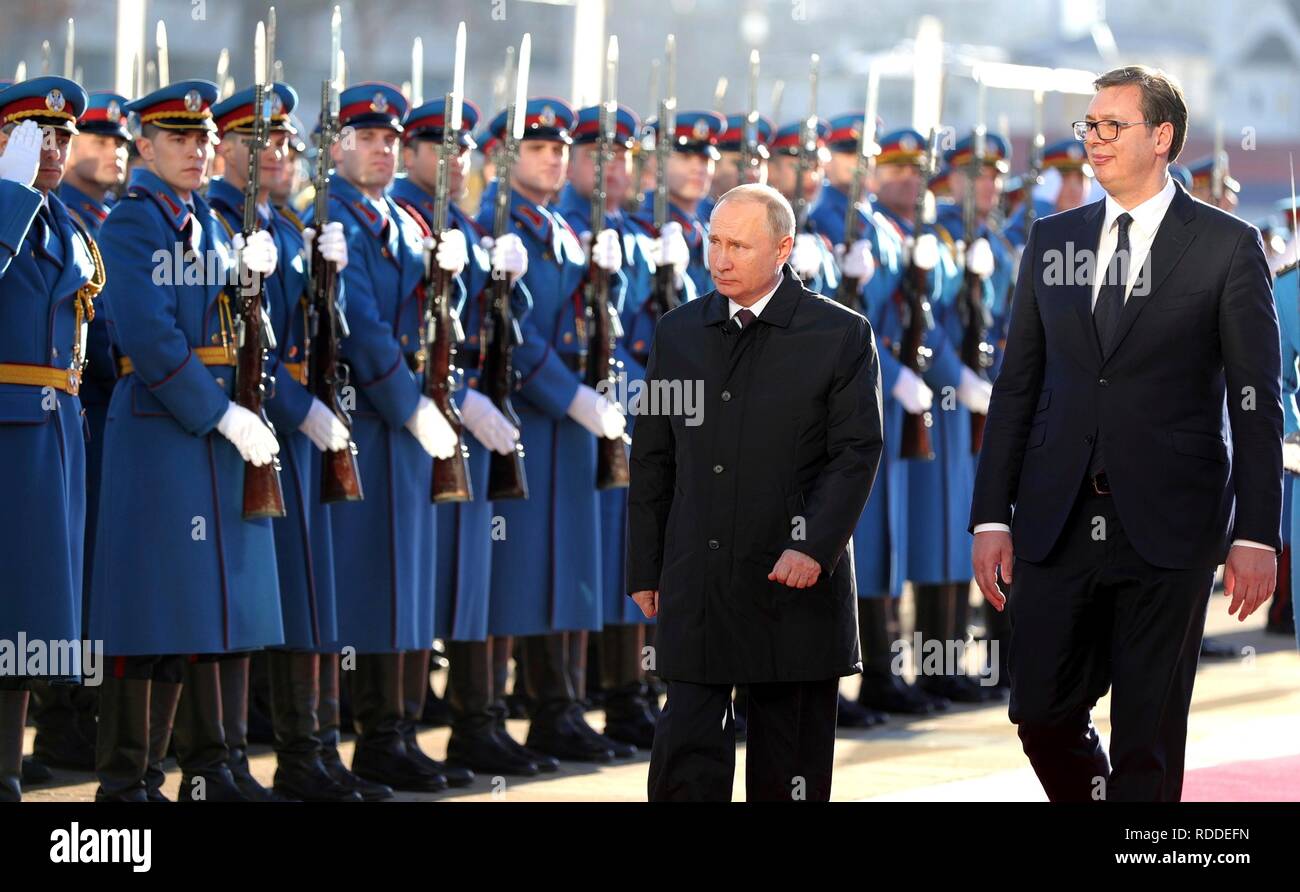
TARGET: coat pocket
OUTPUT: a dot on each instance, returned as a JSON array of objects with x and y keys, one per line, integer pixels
[
  {"x": 26, "y": 406},
  {"x": 1184, "y": 301},
  {"x": 1207, "y": 446},
  {"x": 1037, "y": 434}
]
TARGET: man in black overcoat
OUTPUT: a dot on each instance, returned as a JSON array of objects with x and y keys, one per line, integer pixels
[{"x": 757, "y": 440}]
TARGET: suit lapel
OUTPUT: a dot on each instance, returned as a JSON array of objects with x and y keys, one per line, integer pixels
[
  {"x": 1088, "y": 238},
  {"x": 1172, "y": 239}
]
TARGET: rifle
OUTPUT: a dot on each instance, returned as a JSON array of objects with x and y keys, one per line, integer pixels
[
  {"x": 847, "y": 293},
  {"x": 263, "y": 496},
  {"x": 749, "y": 155},
  {"x": 807, "y": 149},
  {"x": 663, "y": 292},
  {"x": 1219, "y": 170},
  {"x": 340, "y": 479},
  {"x": 442, "y": 331},
  {"x": 976, "y": 320},
  {"x": 602, "y": 321},
  {"x": 500, "y": 332},
  {"x": 914, "y": 309}
]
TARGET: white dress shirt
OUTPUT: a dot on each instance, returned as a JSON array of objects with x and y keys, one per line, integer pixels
[
  {"x": 757, "y": 306},
  {"x": 1147, "y": 217}
]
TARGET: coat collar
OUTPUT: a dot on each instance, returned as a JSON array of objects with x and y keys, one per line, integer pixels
[
  {"x": 778, "y": 311},
  {"x": 404, "y": 190},
  {"x": 222, "y": 194},
  {"x": 146, "y": 182},
  {"x": 360, "y": 205},
  {"x": 92, "y": 212}
]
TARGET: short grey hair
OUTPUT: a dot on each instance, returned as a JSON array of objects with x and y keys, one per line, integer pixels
[{"x": 780, "y": 216}]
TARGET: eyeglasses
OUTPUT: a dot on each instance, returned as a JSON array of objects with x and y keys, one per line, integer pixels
[{"x": 1107, "y": 131}]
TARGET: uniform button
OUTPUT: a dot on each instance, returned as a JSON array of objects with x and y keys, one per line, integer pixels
[
  {"x": 473, "y": 382},
  {"x": 568, "y": 337},
  {"x": 726, "y": 396},
  {"x": 717, "y": 469},
  {"x": 714, "y": 544},
  {"x": 404, "y": 339},
  {"x": 54, "y": 352},
  {"x": 1102, "y": 381},
  {"x": 221, "y": 382},
  {"x": 216, "y": 339}
]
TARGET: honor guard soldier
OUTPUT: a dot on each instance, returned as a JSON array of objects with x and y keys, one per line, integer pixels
[
  {"x": 938, "y": 558},
  {"x": 561, "y": 417},
  {"x": 1180, "y": 173},
  {"x": 618, "y": 647},
  {"x": 690, "y": 177},
  {"x": 988, "y": 259},
  {"x": 872, "y": 269},
  {"x": 181, "y": 577},
  {"x": 1066, "y": 184},
  {"x": 728, "y": 173},
  {"x": 1202, "y": 172},
  {"x": 384, "y": 545},
  {"x": 50, "y": 274},
  {"x": 304, "y": 427},
  {"x": 812, "y": 257},
  {"x": 64, "y": 715},
  {"x": 479, "y": 740},
  {"x": 1286, "y": 292}
]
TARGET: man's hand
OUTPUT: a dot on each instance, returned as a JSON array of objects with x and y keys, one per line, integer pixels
[
  {"x": 648, "y": 602},
  {"x": 1249, "y": 578},
  {"x": 992, "y": 550},
  {"x": 795, "y": 569}
]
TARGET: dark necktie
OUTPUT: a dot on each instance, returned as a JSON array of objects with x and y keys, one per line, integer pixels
[
  {"x": 743, "y": 317},
  {"x": 1110, "y": 299}
]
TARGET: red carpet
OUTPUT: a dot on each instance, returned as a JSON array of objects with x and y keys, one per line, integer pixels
[{"x": 1262, "y": 780}]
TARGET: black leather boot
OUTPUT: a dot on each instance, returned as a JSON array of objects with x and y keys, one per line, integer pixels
[
  {"x": 234, "y": 719},
  {"x": 883, "y": 687},
  {"x": 294, "y": 680},
  {"x": 415, "y": 690},
  {"x": 545, "y": 763},
  {"x": 60, "y": 742},
  {"x": 940, "y": 620},
  {"x": 122, "y": 745},
  {"x": 474, "y": 743},
  {"x": 200, "y": 738},
  {"x": 380, "y": 754},
  {"x": 552, "y": 729},
  {"x": 13, "y": 718},
  {"x": 163, "y": 698},
  {"x": 327, "y": 718},
  {"x": 628, "y": 718}
]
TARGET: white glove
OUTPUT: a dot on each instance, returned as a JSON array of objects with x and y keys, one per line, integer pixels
[
  {"x": 608, "y": 251},
  {"x": 910, "y": 390},
  {"x": 806, "y": 258},
  {"x": 333, "y": 244},
  {"x": 974, "y": 392},
  {"x": 22, "y": 156},
  {"x": 324, "y": 428},
  {"x": 254, "y": 440},
  {"x": 979, "y": 258},
  {"x": 597, "y": 414},
  {"x": 509, "y": 256},
  {"x": 453, "y": 252},
  {"x": 428, "y": 425},
  {"x": 488, "y": 425},
  {"x": 258, "y": 253},
  {"x": 857, "y": 262},
  {"x": 670, "y": 249},
  {"x": 1291, "y": 457},
  {"x": 925, "y": 251}
]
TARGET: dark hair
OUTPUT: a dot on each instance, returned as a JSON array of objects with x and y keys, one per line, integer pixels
[{"x": 1162, "y": 99}]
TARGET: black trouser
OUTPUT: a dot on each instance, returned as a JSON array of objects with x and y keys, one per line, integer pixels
[
  {"x": 789, "y": 751},
  {"x": 1095, "y": 615}
]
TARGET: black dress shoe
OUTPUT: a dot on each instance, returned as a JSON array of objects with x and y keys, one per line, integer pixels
[
  {"x": 338, "y": 772},
  {"x": 456, "y": 776},
  {"x": 250, "y": 786},
  {"x": 545, "y": 763},
  {"x": 890, "y": 693},
  {"x": 217, "y": 786},
  {"x": 854, "y": 715},
  {"x": 628, "y": 718},
  {"x": 1217, "y": 649},
  {"x": 308, "y": 781},
  {"x": 485, "y": 753},
  {"x": 956, "y": 688},
  {"x": 394, "y": 768},
  {"x": 35, "y": 772},
  {"x": 620, "y": 749},
  {"x": 556, "y": 735}
]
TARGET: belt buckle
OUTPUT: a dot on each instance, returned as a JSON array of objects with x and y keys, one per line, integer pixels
[
  {"x": 74, "y": 382},
  {"x": 1098, "y": 481}
]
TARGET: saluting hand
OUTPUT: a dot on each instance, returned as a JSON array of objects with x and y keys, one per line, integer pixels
[{"x": 795, "y": 569}]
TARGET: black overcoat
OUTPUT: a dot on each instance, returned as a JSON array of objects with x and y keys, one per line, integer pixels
[{"x": 780, "y": 452}]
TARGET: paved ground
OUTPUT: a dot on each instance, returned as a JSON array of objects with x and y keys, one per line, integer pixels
[{"x": 1243, "y": 710}]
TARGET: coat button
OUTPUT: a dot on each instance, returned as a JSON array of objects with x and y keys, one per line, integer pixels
[
  {"x": 1102, "y": 381},
  {"x": 221, "y": 382},
  {"x": 717, "y": 469},
  {"x": 216, "y": 339},
  {"x": 714, "y": 545},
  {"x": 54, "y": 353},
  {"x": 726, "y": 396},
  {"x": 404, "y": 339},
  {"x": 568, "y": 337}
]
